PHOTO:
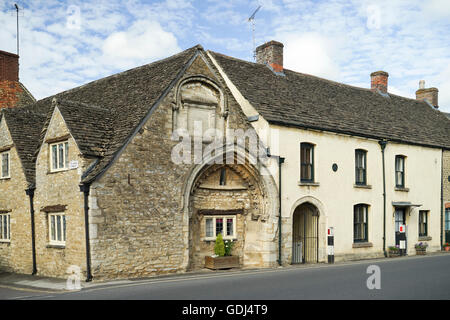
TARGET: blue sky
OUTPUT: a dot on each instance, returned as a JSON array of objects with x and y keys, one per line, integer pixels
[{"x": 65, "y": 44}]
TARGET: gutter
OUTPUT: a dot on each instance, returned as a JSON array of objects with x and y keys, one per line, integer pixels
[
  {"x": 85, "y": 188},
  {"x": 30, "y": 193},
  {"x": 383, "y": 144}
]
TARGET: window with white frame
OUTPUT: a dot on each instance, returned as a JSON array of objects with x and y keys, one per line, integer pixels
[
  {"x": 5, "y": 165},
  {"x": 226, "y": 225},
  {"x": 59, "y": 156},
  {"x": 5, "y": 227},
  {"x": 57, "y": 228}
]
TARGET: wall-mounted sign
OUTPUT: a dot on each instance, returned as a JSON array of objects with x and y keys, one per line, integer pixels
[
  {"x": 402, "y": 228},
  {"x": 73, "y": 164}
]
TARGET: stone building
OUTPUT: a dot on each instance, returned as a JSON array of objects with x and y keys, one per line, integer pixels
[{"x": 121, "y": 179}]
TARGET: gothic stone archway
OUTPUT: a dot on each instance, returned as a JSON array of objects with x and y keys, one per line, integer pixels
[{"x": 228, "y": 199}]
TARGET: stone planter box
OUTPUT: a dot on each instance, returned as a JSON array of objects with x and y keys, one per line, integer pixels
[
  {"x": 421, "y": 252},
  {"x": 227, "y": 262}
]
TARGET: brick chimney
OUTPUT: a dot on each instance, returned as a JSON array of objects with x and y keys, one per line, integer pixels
[
  {"x": 379, "y": 80},
  {"x": 9, "y": 80},
  {"x": 429, "y": 94},
  {"x": 271, "y": 54}
]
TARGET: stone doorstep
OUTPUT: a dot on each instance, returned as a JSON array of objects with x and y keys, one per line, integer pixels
[{"x": 58, "y": 284}]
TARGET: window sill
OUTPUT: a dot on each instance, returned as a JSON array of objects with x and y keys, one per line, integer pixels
[
  {"x": 57, "y": 171},
  {"x": 5, "y": 242},
  {"x": 56, "y": 246},
  {"x": 308, "y": 184},
  {"x": 362, "y": 186},
  {"x": 402, "y": 189},
  {"x": 5, "y": 178},
  {"x": 362, "y": 245},
  {"x": 214, "y": 239},
  {"x": 425, "y": 238}
]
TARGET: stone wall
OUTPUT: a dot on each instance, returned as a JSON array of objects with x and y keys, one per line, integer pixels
[
  {"x": 137, "y": 216},
  {"x": 15, "y": 255},
  {"x": 59, "y": 188}
]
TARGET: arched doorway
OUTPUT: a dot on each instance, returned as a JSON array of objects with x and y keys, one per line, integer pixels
[{"x": 305, "y": 234}]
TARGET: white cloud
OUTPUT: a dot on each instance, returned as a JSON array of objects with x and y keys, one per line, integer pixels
[{"x": 144, "y": 40}]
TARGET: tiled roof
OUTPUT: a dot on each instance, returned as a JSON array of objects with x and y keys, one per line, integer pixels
[
  {"x": 102, "y": 115},
  {"x": 25, "y": 127},
  {"x": 305, "y": 101}
]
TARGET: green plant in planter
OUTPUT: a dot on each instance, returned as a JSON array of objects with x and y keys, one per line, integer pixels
[
  {"x": 421, "y": 246},
  {"x": 219, "y": 247},
  {"x": 228, "y": 247}
]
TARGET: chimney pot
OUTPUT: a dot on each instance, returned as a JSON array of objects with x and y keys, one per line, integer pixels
[
  {"x": 428, "y": 94},
  {"x": 379, "y": 80},
  {"x": 271, "y": 54}
]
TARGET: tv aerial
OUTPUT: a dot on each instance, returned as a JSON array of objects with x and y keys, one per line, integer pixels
[{"x": 252, "y": 20}]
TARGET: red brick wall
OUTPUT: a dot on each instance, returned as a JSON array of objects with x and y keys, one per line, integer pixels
[
  {"x": 9, "y": 66},
  {"x": 10, "y": 88},
  {"x": 9, "y": 93}
]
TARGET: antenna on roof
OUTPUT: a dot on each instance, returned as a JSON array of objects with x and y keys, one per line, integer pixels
[
  {"x": 252, "y": 20},
  {"x": 17, "y": 11}
]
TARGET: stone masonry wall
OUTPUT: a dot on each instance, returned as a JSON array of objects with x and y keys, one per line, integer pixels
[
  {"x": 59, "y": 188},
  {"x": 136, "y": 208},
  {"x": 15, "y": 255}
]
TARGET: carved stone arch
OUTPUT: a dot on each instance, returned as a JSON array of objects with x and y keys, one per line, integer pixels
[
  {"x": 204, "y": 100},
  {"x": 260, "y": 242}
]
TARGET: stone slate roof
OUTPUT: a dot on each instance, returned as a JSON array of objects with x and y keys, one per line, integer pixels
[
  {"x": 306, "y": 101},
  {"x": 25, "y": 127},
  {"x": 102, "y": 115},
  {"x": 25, "y": 97}
]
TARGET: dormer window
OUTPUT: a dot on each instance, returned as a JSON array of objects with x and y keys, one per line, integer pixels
[
  {"x": 59, "y": 156},
  {"x": 5, "y": 165}
]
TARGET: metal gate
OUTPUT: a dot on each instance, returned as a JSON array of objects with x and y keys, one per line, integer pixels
[{"x": 305, "y": 235}]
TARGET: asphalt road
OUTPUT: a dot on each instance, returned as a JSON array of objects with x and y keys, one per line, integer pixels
[{"x": 424, "y": 277}]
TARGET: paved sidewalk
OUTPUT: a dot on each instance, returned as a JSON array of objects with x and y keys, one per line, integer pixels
[{"x": 46, "y": 284}]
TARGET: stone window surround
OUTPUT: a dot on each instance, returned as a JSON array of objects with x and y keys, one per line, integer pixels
[
  {"x": 55, "y": 243},
  {"x": 2, "y": 152},
  {"x": 57, "y": 142},
  {"x": 224, "y": 217},
  {"x": 8, "y": 226}
]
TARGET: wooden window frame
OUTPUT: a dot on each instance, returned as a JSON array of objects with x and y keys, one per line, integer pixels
[
  {"x": 53, "y": 238},
  {"x": 65, "y": 160},
  {"x": 402, "y": 184},
  {"x": 424, "y": 222},
  {"x": 310, "y": 166},
  {"x": 363, "y": 170},
  {"x": 225, "y": 236},
  {"x": 8, "y": 175},
  {"x": 5, "y": 217},
  {"x": 365, "y": 222}
]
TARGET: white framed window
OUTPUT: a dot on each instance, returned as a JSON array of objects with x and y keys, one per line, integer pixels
[
  {"x": 57, "y": 228},
  {"x": 59, "y": 156},
  {"x": 5, "y": 165},
  {"x": 5, "y": 227},
  {"x": 220, "y": 224}
]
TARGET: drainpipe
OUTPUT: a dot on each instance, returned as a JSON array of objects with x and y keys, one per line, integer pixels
[
  {"x": 30, "y": 193},
  {"x": 383, "y": 144},
  {"x": 85, "y": 189},
  {"x": 442, "y": 198}
]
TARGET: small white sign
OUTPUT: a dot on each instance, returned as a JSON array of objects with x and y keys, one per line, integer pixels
[
  {"x": 402, "y": 228},
  {"x": 331, "y": 231},
  {"x": 330, "y": 250},
  {"x": 73, "y": 164},
  {"x": 402, "y": 244}
]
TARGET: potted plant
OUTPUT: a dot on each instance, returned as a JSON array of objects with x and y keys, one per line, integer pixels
[
  {"x": 222, "y": 258},
  {"x": 421, "y": 248},
  {"x": 446, "y": 246},
  {"x": 394, "y": 251}
]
